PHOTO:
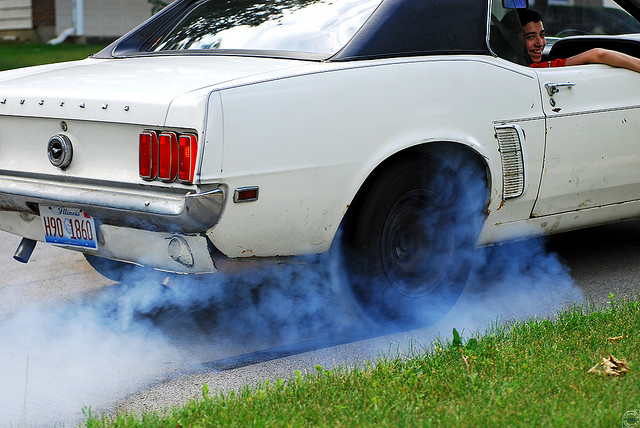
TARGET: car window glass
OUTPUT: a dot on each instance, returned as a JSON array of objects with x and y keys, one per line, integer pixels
[
  {"x": 317, "y": 26},
  {"x": 562, "y": 19},
  {"x": 506, "y": 38}
]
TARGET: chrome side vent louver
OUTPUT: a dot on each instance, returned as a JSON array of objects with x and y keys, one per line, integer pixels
[{"x": 510, "y": 147}]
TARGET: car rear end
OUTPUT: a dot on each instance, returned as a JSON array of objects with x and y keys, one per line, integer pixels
[{"x": 98, "y": 169}]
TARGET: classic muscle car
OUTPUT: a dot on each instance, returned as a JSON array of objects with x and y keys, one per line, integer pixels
[{"x": 223, "y": 131}]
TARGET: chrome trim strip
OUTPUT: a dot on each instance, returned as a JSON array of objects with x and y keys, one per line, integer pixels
[
  {"x": 488, "y": 30},
  {"x": 144, "y": 209}
]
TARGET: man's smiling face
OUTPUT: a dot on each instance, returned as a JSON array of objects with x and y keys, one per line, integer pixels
[{"x": 534, "y": 39}]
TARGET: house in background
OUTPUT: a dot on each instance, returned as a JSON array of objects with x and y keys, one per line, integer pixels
[
  {"x": 27, "y": 19},
  {"x": 92, "y": 20}
]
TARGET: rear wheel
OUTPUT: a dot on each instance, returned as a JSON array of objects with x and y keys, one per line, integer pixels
[{"x": 410, "y": 243}]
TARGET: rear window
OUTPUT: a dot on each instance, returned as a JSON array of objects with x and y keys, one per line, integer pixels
[{"x": 314, "y": 26}]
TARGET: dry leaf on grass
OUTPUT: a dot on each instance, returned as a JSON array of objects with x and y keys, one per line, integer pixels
[
  {"x": 466, "y": 361},
  {"x": 611, "y": 366},
  {"x": 615, "y": 339}
]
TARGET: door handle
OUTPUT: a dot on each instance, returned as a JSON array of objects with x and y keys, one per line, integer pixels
[{"x": 554, "y": 88}]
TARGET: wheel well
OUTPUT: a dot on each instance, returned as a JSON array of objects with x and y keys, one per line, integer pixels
[{"x": 452, "y": 154}]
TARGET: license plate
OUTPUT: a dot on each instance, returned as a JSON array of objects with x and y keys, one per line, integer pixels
[{"x": 68, "y": 226}]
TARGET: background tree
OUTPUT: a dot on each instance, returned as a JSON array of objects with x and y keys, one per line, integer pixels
[{"x": 157, "y": 5}]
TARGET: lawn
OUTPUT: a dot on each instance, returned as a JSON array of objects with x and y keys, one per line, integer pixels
[
  {"x": 579, "y": 370},
  {"x": 16, "y": 55}
]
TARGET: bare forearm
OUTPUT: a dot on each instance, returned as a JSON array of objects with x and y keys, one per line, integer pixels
[{"x": 605, "y": 56}]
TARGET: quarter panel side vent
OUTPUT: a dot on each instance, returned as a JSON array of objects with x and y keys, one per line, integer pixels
[{"x": 510, "y": 147}]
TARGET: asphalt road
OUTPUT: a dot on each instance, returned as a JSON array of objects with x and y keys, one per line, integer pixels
[{"x": 73, "y": 338}]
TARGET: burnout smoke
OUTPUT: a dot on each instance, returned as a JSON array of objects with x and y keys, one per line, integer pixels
[
  {"x": 59, "y": 358},
  {"x": 511, "y": 280},
  {"x": 53, "y": 361},
  {"x": 56, "y": 359}
]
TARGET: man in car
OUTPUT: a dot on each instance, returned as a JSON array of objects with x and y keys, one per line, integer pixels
[{"x": 535, "y": 41}]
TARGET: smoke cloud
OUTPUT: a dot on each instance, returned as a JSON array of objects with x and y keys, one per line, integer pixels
[
  {"x": 97, "y": 350},
  {"x": 53, "y": 361}
]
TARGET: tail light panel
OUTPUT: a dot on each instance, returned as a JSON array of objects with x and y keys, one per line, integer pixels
[{"x": 168, "y": 156}]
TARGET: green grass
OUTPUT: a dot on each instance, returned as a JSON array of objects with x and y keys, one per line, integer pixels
[
  {"x": 532, "y": 373},
  {"x": 16, "y": 55}
]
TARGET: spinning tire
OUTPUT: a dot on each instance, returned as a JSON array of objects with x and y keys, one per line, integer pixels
[{"x": 410, "y": 244}]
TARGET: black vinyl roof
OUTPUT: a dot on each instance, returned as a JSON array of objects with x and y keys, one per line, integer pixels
[{"x": 418, "y": 27}]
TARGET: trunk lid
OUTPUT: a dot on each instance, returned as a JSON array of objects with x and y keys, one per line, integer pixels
[{"x": 131, "y": 90}]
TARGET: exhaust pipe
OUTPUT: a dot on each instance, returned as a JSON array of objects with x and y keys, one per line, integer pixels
[{"x": 23, "y": 253}]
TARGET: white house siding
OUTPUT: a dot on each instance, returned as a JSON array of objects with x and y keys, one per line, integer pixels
[
  {"x": 15, "y": 15},
  {"x": 104, "y": 18}
]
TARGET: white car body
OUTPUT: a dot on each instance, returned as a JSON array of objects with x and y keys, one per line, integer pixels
[{"x": 308, "y": 134}]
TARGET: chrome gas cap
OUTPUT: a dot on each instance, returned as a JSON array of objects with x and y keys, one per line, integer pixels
[{"x": 60, "y": 151}]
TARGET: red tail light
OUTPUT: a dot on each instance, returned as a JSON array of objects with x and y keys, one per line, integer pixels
[
  {"x": 168, "y": 156},
  {"x": 148, "y": 155},
  {"x": 168, "y": 162},
  {"x": 188, "y": 152}
]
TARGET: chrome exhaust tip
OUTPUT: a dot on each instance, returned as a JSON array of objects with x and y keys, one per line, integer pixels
[{"x": 23, "y": 253}]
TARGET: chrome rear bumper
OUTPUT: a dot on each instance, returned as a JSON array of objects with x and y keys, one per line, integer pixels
[{"x": 170, "y": 210}]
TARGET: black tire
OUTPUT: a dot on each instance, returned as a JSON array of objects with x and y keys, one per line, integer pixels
[
  {"x": 114, "y": 270},
  {"x": 410, "y": 243}
]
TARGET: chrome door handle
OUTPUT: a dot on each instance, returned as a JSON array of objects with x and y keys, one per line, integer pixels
[{"x": 554, "y": 88}]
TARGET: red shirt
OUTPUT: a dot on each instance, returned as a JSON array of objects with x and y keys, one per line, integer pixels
[{"x": 548, "y": 64}]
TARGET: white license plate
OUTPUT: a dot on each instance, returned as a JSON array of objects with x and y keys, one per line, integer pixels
[{"x": 68, "y": 226}]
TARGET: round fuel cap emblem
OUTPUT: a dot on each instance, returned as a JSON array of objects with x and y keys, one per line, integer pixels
[{"x": 60, "y": 151}]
